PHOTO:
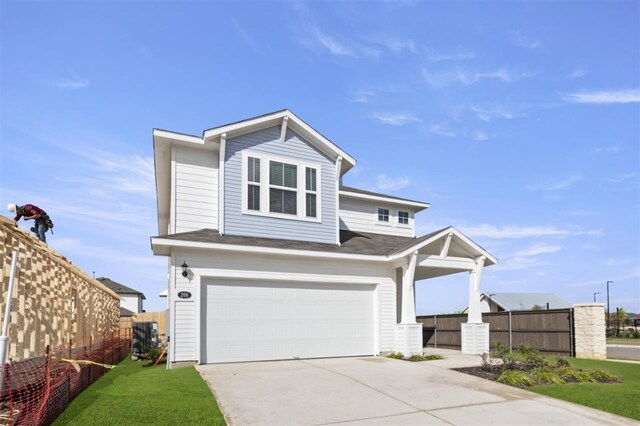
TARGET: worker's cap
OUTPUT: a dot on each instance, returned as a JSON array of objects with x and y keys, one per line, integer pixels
[{"x": 11, "y": 208}]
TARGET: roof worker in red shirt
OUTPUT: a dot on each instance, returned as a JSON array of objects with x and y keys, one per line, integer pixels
[{"x": 29, "y": 212}]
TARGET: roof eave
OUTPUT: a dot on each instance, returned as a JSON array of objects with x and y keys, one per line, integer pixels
[
  {"x": 294, "y": 122},
  {"x": 417, "y": 205}
]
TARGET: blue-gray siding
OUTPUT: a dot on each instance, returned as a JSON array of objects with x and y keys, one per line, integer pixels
[{"x": 268, "y": 141}]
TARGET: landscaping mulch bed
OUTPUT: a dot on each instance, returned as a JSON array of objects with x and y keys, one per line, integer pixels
[{"x": 491, "y": 373}]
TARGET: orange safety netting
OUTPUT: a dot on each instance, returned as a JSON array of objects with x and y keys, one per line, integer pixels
[{"x": 37, "y": 390}]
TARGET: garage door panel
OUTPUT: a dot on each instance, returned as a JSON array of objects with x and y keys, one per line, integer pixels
[{"x": 248, "y": 321}]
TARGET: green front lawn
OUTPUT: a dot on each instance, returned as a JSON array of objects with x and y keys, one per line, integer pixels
[
  {"x": 618, "y": 398},
  {"x": 623, "y": 341},
  {"x": 131, "y": 394}
]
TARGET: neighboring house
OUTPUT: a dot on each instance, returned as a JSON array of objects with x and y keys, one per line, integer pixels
[
  {"x": 131, "y": 299},
  {"x": 271, "y": 257},
  {"x": 499, "y": 302}
]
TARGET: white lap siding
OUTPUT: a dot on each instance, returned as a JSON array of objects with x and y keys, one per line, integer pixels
[
  {"x": 196, "y": 189},
  {"x": 362, "y": 216},
  {"x": 205, "y": 265}
]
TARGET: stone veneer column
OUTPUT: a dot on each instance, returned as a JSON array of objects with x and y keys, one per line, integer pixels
[{"x": 590, "y": 330}]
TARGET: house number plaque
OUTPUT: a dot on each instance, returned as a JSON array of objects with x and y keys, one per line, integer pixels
[{"x": 184, "y": 295}]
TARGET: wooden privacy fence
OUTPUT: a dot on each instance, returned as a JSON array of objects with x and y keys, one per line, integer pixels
[
  {"x": 159, "y": 316},
  {"x": 53, "y": 301},
  {"x": 549, "y": 331}
]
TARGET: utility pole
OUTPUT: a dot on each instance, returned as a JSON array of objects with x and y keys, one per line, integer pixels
[
  {"x": 608, "y": 310},
  {"x": 594, "y": 297}
]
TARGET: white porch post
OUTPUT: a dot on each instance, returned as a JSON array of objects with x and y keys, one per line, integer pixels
[
  {"x": 474, "y": 315},
  {"x": 409, "y": 332},
  {"x": 475, "y": 333},
  {"x": 408, "y": 284}
]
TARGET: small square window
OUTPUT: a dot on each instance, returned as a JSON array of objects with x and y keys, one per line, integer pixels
[
  {"x": 403, "y": 218},
  {"x": 383, "y": 215}
]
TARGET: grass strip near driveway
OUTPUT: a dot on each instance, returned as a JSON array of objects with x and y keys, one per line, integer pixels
[
  {"x": 131, "y": 394},
  {"x": 623, "y": 341},
  {"x": 617, "y": 398}
]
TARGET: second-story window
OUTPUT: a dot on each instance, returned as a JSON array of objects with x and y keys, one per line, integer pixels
[
  {"x": 253, "y": 179},
  {"x": 383, "y": 215},
  {"x": 311, "y": 192},
  {"x": 283, "y": 185},
  {"x": 403, "y": 218}
]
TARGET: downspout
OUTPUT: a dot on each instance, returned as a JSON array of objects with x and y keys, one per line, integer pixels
[{"x": 4, "y": 339}]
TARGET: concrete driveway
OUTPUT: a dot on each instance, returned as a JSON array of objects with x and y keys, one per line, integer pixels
[{"x": 381, "y": 391}]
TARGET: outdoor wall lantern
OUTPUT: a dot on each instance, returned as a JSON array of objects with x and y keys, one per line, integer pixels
[{"x": 185, "y": 269}]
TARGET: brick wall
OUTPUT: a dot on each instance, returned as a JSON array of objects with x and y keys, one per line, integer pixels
[
  {"x": 590, "y": 331},
  {"x": 54, "y": 302}
]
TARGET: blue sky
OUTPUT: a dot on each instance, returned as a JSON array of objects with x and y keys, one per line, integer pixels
[{"x": 518, "y": 121}]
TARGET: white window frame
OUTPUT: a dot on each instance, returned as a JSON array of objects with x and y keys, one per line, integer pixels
[
  {"x": 393, "y": 217},
  {"x": 403, "y": 225},
  {"x": 381, "y": 222},
  {"x": 265, "y": 178}
]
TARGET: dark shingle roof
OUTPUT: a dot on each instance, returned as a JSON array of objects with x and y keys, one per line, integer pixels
[
  {"x": 119, "y": 288},
  {"x": 377, "y": 194},
  {"x": 124, "y": 312},
  {"x": 351, "y": 242}
]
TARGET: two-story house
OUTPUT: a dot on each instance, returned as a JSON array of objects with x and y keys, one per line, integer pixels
[
  {"x": 271, "y": 257},
  {"x": 130, "y": 300}
]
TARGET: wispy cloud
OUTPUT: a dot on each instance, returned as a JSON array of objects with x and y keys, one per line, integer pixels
[
  {"x": 467, "y": 77},
  {"x": 517, "y": 38},
  {"x": 577, "y": 73},
  {"x": 622, "y": 96},
  {"x": 322, "y": 41},
  {"x": 388, "y": 183},
  {"x": 441, "y": 57},
  {"x": 623, "y": 178},
  {"x": 361, "y": 96},
  {"x": 441, "y": 129},
  {"x": 580, "y": 213},
  {"x": 395, "y": 119},
  {"x": 245, "y": 37},
  {"x": 394, "y": 44},
  {"x": 617, "y": 262},
  {"x": 479, "y": 135},
  {"x": 558, "y": 185},
  {"x": 527, "y": 258},
  {"x": 538, "y": 249},
  {"x": 517, "y": 231},
  {"x": 333, "y": 45},
  {"x": 490, "y": 113},
  {"x": 73, "y": 82}
]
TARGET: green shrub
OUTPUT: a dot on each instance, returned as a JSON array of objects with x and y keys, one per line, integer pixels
[
  {"x": 431, "y": 357},
  {"x": 516, "y": 378},
  {"x": 532, "y": 357},
  {"x": 498, "y": 350},
  {"x": 574, "y": 374},
  {"x": 545, "y": 375},
  {"x": 603, "y": 376},
  {"x": 561, "y": 362},
  {"x": 395, "y": 355}
]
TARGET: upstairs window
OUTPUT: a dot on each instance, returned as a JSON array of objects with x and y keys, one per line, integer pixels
[
  {"x": 311, "y": 192},
  {"x": 403, "y": 218},
  {"x": 383, "y": 215},
  {"x": 253, "y": 179},
  {"x": 283, "y": 185}
]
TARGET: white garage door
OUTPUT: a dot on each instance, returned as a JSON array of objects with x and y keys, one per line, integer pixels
[{"x": 259, "y": 320}]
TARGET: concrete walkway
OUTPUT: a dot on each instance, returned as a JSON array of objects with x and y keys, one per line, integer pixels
[{"x": 382, "y": 391}]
